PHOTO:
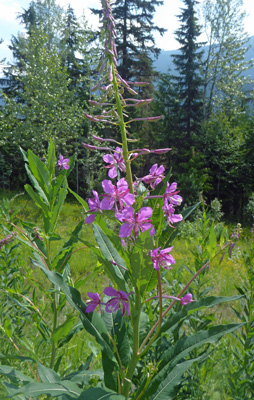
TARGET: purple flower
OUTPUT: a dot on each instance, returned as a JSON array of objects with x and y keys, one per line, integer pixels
[
  {"x": 94, "y": 205},
  {"x": 92, "y": 304},
  {"x": 63, "y": 162},
  {"x": 171, "y": 194},
  {"x": 119, "y": 193},
  {"x": 169, "y": 212},
  {"x": 186, "y": 299},
  {"x": 119, "y": 298},
  {"x": 139, "y": 221},
  {"x": 155, "y": 176},
  {"x": 8, "y": 239},
  {"x": 162, "y": 258},
  {"x": 113, "y": 161}
]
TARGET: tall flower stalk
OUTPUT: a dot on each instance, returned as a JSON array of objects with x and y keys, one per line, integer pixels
[{"x": 134, "y": 221}]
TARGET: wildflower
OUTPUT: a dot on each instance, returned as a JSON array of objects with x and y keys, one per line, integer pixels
[
  {"x": 114, "y": 161},
  {"x": 119, "y": 193},
  {"x": 171, "y": 194},
  {"x": 92, "y": 304},
  {"x": 162, "y": 258},
  {"x": 94, "y": 205},
  {"x": 155, "y": 176},
  {"x": 186, "y": 299},
  {"x": 119, "y": 298},
  {"x": 139, "y": 221},
  {"x": 169, "y": 212},
  {"x": 8, "y": 239},
  {"x": 63, "y": 163}
]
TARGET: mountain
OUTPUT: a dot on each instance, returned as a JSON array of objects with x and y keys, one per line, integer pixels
[{"x": 164, "y": 62}]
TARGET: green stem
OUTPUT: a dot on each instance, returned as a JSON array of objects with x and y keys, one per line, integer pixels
[
  {"x": 53, "y": 348},
  {"x": 135, "y": 355},
  {"x": 158, "y": 323},
  {"x": 174, "y": 301},
  {"x": 123, "y": 131}
]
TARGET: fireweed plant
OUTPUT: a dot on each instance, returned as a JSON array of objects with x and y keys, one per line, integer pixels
[{"x": 135, "y": 317}]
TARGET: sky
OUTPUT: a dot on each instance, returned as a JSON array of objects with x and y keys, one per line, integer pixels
[{"x": 165, "y": 17}]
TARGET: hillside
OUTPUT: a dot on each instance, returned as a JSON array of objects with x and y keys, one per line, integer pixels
[{"x": 164, "y": 63}]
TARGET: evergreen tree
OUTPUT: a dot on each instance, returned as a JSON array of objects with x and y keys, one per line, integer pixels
[
  {"x": 188, "y": 64},
  {"x": 135, "y": 42}
]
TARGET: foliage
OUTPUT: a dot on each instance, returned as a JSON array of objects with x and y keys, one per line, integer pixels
[
  {"x": 249, "y": 209},
  {"x": 188, "y": 67},
  {"x": 145, "y": 344},
  {"x": 227, "y": 45},
  {"x": 135, "y": 42},
  {"x": 240, "y": 362}
]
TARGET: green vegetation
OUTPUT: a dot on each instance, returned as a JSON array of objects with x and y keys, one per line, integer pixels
[{"x": 21, "y": 281}]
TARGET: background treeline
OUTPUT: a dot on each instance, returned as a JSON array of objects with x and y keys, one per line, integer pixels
[{"x": 206, "y": 99}]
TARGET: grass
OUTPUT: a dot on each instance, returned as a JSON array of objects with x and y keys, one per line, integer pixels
[{"x": 222, "y": 277}]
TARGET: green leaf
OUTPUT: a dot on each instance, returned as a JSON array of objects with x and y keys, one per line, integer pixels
[
  {"x": 186, "y": 344},
  {"x": 212, "y": 242},
  {"x": 51, "y": 158},
  {"x": 47, "y": 374},
  {"x": 58, "y": 205},
  {"x": 190, "y": 308},
  {"x": 36, "y": 185},
  {"x": 100, "y": 394},
  {"x": 83, "y": 376},
  {"x": 119, "y": 333},
  {"x": 116, "y": 273},
  {"x": 163, "y": 386},
  {"x": 92, "y": 322},
  {"x": 77, "y": 328},
  {"x": 13, "y": 374},
  {"x": 37, "y": 200},
  {"x": 62, "y": 330},
  {"x": 35, "y": 389},
  {"x": 7, "y": 327},
  {"x": 80, "y": 200},
  {"x": 61, "y": 258},
  {"x": 143, "y": 274},
  {"x": 39, "y": 171},
  {"x": 24, "y": 154}
]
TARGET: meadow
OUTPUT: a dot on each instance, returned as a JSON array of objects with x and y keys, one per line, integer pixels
[{"x": 26, "y": 297}]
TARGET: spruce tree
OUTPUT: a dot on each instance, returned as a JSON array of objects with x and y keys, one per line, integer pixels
[
  {"x": 188, "y": 63},
  {"x": 135, "y": 42}
]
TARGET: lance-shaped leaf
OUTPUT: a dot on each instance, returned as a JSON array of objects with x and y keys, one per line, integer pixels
[
  {"x": 190, "y": 308},
  {"x": 100, "y": 394},
  {"x": 167, "y": 384},
  {"x": 61, "y": 195},
  {"x": 36, "y": 185},
  {"x": 115, "y": 270},
  {"x": 83, "y": 376},
  {"x": 186, "y": 344},
  {"x": 62, "y": 330},
  {"x": 143, "y": 274},
  {"x": 13, "y": 374},
  {"x": 47, "y": 374},
  {"x": 160, "y": 387},
  {"x": 39, "y": 171},
  {"x": 62, "y": 257},
  {"x": 51, "y": 158},
  {"x": 37, "y": 200},
  {"x": 92, "y": 322},
  {"x": 35, "y": 389}
]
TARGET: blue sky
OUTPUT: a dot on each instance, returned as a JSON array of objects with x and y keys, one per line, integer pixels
[{"x": 165, "y": 17}]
